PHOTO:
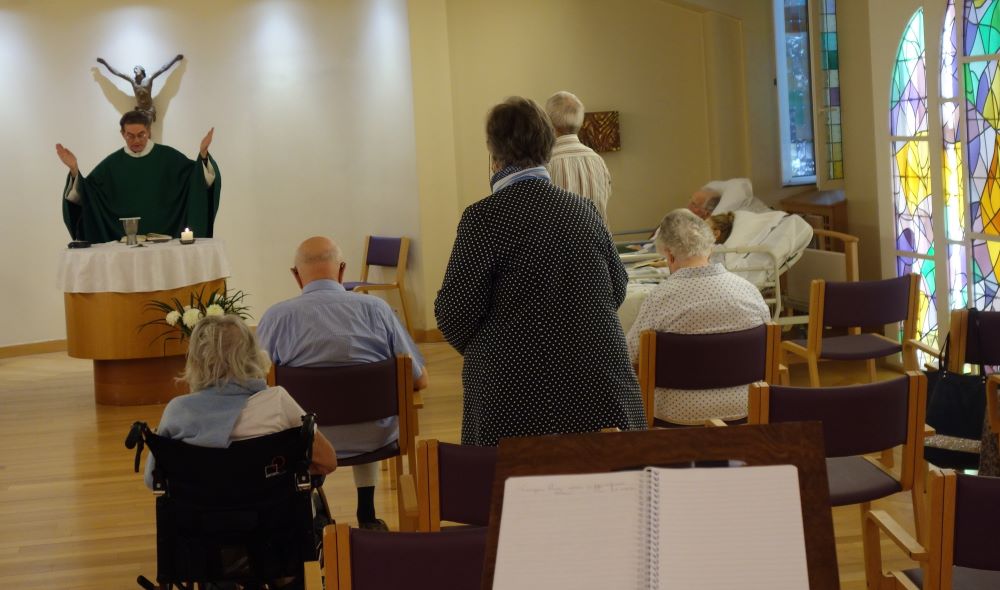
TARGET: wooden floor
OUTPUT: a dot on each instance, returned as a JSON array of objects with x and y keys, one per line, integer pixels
[{"x": 74, "y": 515}]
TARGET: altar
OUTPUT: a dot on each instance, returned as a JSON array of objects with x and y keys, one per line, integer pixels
[{"x": 106, "y": 290}]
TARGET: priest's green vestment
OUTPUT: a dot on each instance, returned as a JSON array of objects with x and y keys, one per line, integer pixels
[{"x": 165, "y": 188}]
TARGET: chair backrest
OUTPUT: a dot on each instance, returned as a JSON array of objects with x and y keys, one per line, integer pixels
[
  {"x": 347, "y": 394},
  {"x": 868, "y": 303},
  {"x": 455, "y": 483},
  {"x": 976, "y": 522},
  {"x": 388, "y": 252},
  {"x": 358, "y": 559},
  {"x": 707, "y": 361},
  {"x": 981, "y": 337},
  {"x": 251, "y": 500},
  {"x": 857, "y": 419}
]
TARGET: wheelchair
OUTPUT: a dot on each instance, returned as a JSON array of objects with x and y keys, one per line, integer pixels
[{"x": 234, "y": 518}]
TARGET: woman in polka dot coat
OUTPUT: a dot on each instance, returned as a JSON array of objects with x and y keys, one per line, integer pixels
[{"x": 530, "y": 299}]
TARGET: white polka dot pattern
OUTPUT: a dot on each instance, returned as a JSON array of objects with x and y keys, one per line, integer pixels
[
  {"x": 702, "y": 300},
  {"x": 530, "y": 298}
]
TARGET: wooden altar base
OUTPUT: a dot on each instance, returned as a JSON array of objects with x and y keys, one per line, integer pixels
[
  {"x": 138, "y": 382},
  {"x": 132, "y": 366}
]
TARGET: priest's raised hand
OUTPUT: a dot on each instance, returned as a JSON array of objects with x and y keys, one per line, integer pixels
[
  {"x": 168, "y": 190},
  {"x": 205, "y": 143},
  {"x": 69, "y": 158}
]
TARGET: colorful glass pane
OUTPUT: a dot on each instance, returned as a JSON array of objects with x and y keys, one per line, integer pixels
[
  {"x": 958, "y": 278},
  {"x": 982, "y": 120},
  {"x": 982, "y": 27},
  {"x": 908, "y": 96},
  {"x": 954, "y": 190},
  {"x": 830, "y": 64},
  {"x": 911, "y": 179},
  {"x": 927, "y": 323},
  {"x": 949, "y": 54},
  {"x": 985, "y": 264}
]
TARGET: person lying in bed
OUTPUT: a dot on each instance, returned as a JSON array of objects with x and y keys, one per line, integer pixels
[
  {"x": 782, "y": 234},
  {"x": 724, "y": 196}
]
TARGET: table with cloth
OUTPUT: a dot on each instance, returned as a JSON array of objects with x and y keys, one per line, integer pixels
[{"x": 106, "y": 291}]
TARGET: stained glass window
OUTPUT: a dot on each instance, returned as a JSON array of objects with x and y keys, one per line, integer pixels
[
  {"x": 908, "y": 98},
  {"x": 982, "y": 27},
  {"x": 982, "y": 120},
  {"x": 830, "y": 65},
  {"x": 958, "y": 278},
  {"x": 985, "y": 262},
  {"x": 911, "y": 173},
  {"x": 927, "y": 322},
  {"x": 911, "y": 188}
]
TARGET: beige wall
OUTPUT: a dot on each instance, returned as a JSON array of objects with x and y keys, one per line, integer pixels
[
  {"x": 312, "y": 105},
  {"x": 858, "y": 120}
]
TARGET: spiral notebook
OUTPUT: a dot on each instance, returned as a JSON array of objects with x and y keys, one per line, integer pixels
[{"x": 717, "y": 528}]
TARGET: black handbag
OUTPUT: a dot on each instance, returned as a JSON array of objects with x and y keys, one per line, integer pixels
[{"x": 956, "y": 409}]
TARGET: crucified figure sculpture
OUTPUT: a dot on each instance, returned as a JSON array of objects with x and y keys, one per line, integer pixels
[{"x": 141, "y": 85}]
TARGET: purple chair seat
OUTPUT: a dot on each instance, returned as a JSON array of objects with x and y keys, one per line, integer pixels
[
  {"x": 854, "y": 480},
  {"x": 854, "y": 347},
  {"x": 962, "y": 578}
]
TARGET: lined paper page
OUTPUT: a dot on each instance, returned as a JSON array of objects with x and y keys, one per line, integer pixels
[
  {"x": 738, "y": 527},
  {"x": 570, "y": 531}
]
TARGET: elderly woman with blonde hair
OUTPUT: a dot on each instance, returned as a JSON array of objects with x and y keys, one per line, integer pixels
[
  {"x": 699, "y": 297},
  {"x": 230, "y": 399}
]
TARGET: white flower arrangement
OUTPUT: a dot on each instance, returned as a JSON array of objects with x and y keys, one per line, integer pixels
[
  {"x": 180, "y": 319},
  {"x": 192, "y": 316}
]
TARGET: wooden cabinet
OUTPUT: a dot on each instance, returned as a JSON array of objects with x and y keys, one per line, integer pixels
[{"x": 825, "y": 209}]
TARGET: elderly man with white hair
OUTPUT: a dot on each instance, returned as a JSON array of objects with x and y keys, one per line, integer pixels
[
  {"x": 699, "y": 297},
  {"x": 574, "y": 166}
]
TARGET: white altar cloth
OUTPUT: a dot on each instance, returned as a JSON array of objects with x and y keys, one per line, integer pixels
[{"x": 115, "y": 267}]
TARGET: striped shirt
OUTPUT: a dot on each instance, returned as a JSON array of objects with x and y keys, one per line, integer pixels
[{"x": 579, "y": 170}]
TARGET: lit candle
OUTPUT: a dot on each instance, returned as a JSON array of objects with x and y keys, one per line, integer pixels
[{"x": 187, "y": 235}]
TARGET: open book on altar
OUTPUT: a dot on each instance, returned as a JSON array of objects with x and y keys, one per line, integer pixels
[{"x": 717, "y": 528}]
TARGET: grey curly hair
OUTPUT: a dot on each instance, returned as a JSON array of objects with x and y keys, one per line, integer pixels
[
  {"x": 223, "y": 349},
  {"x": 684, "y": 235}
]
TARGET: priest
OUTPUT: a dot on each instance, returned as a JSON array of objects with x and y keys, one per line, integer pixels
[{"x": 155, "y": 182}]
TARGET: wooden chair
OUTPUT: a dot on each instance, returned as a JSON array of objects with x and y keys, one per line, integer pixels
[
  {"x": 454, "y": 483},
  {"x": 853, "y": 306},
  {"x": 960, "y": 552},
  {"x": 390, "y": 253},
  {"x": 970, "y": 344},
  {"x": 362, "y": 393},
  {"x": 973, "y": 343},
  {"x": 707, "y": 361},
  {"x": 859, "y": 420},
  {"x": 798, "y": 444},
  {"x": 356, "y": 559}
]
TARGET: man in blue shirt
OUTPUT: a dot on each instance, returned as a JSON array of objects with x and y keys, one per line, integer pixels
[{"x": 328, "y": 326}]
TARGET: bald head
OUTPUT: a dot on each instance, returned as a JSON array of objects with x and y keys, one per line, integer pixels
[
  {"x": 703, "y": 202},
  {"x": 318, "y": 258}
]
